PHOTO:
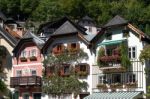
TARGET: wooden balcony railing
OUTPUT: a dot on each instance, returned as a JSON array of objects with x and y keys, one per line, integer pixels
[
  {"x": 110, "y": 58},
  {"x": 25, "y": 81}
]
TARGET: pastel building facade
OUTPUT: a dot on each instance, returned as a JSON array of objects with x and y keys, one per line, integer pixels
[{"x": 27, "y": 68}]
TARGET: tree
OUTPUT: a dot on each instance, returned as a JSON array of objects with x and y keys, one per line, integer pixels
[
  {"x": 3, "y": 86},
  {"x": 58, "y": 85},
  {"x": 145, "y": 56}
]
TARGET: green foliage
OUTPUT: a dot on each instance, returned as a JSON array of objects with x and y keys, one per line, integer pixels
[
  {"x": 57, "y": 84},
  {"x": 136, "y": 11},
  {"x": 125, "y": 61},
  {"x": 101, "y": 52},
  {"x": 145, "y": 53}
]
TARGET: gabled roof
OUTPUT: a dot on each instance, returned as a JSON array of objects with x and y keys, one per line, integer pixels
[
  {"x": 117, "y": 20},
  {"x": 86, "y": 21},
  {"x": 2, "y": 16},
  {"x": 56, "y": 24},
  {"x": 29, "y": 37},
  {"x": 68, "y": 27},
  {"x": 87, "y": 18},
  {"x": 8, "y": 37},
  {"x": 73, "y": 34}
]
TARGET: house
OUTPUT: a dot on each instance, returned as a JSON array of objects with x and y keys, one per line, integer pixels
[
  {"x": 118, "y": 72},
  {"x": 89, "y": 24},
  {"x": 71, "y": 36},
  {"x": 14, "y": 28},
  {"x": 27, "y": 67}
]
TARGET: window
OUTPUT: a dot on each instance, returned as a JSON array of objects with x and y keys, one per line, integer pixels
[
  {"x": 83, "y": 68},
  {"x": 132, "y": 52},
  {"x": 116, "y": 78},
  {"x": 33, "y": 72},
  {"x": 73, "y": 45},
  {"x": 18, "y": 73},
  {"x": 66, "y": 69},
  {"x": 25, "y": 96},
  {"x": 37, "y": 96},
  {"x": 59, "y": 47},
  {"x": 125, "y": 33},
  {"x": 131, "y": 78},
  {"x": 23, "y": 54},
  {"x": 33, "y": 52},
  {"x": 90, "y": 29},
  {"x": 102, "y": 79}
]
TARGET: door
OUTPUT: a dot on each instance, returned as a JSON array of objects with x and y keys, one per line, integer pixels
[
  {"x": 26, "y": 96},
  {"x": 37, "y": 96}
]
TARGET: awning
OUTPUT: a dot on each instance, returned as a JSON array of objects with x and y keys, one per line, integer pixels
[
  {"x": 115, "y": 95},
  {"x": 111, "y": 42}
]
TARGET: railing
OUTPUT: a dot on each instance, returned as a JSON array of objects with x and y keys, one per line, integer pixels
[{"x": 25, "y": 81}]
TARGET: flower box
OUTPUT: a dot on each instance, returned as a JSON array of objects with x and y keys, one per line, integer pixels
[
  {"x": 116, "y": 86},
  {"x": 82, "y": 73},
  {"x": 131, "y": 85},
  {"x": 33, "y": 58},
  {"x": 101, "y": 86},
  {"x": 23, "y": 58}
]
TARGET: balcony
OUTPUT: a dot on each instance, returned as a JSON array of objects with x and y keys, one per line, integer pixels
[
  {"x": 25, "y": 81},
  {"x": 125, "y": 80}
]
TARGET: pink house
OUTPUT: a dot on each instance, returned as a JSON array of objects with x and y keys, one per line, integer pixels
[{"x": 27, "y": 67}]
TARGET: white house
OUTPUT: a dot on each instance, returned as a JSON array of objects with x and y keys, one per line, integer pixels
[{"x": 113, "y": 75}]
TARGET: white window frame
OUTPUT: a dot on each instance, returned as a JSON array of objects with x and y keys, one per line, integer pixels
[
  {"x": 33, "y": 52},
  {"x": 24, "y": 53},
  {"x": 133, "y": 78},
  {"x": 18, "y": 75},
  {"x": 101, "y": 79},
  {"x": 131, "y": 52}
]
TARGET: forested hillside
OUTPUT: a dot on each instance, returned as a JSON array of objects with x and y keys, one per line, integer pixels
[{"x": 136, "y": 11}]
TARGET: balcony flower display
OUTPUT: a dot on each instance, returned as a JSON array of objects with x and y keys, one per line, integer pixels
[
  {"x": 116, "y": 85},
  {"x": 101, "y": 86},
  {"x": 82, "y": 73},
  {"x": 131, "y": 85},
  {"x": 32, "y": 57}
]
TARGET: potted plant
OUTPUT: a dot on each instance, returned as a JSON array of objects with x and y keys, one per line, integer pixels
[
  {"x": 101, "y": 86},
  {"x": 131, "y": 85},
  {"x": 116, "y": 85},
  {"x": 101, "y": 57}
]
